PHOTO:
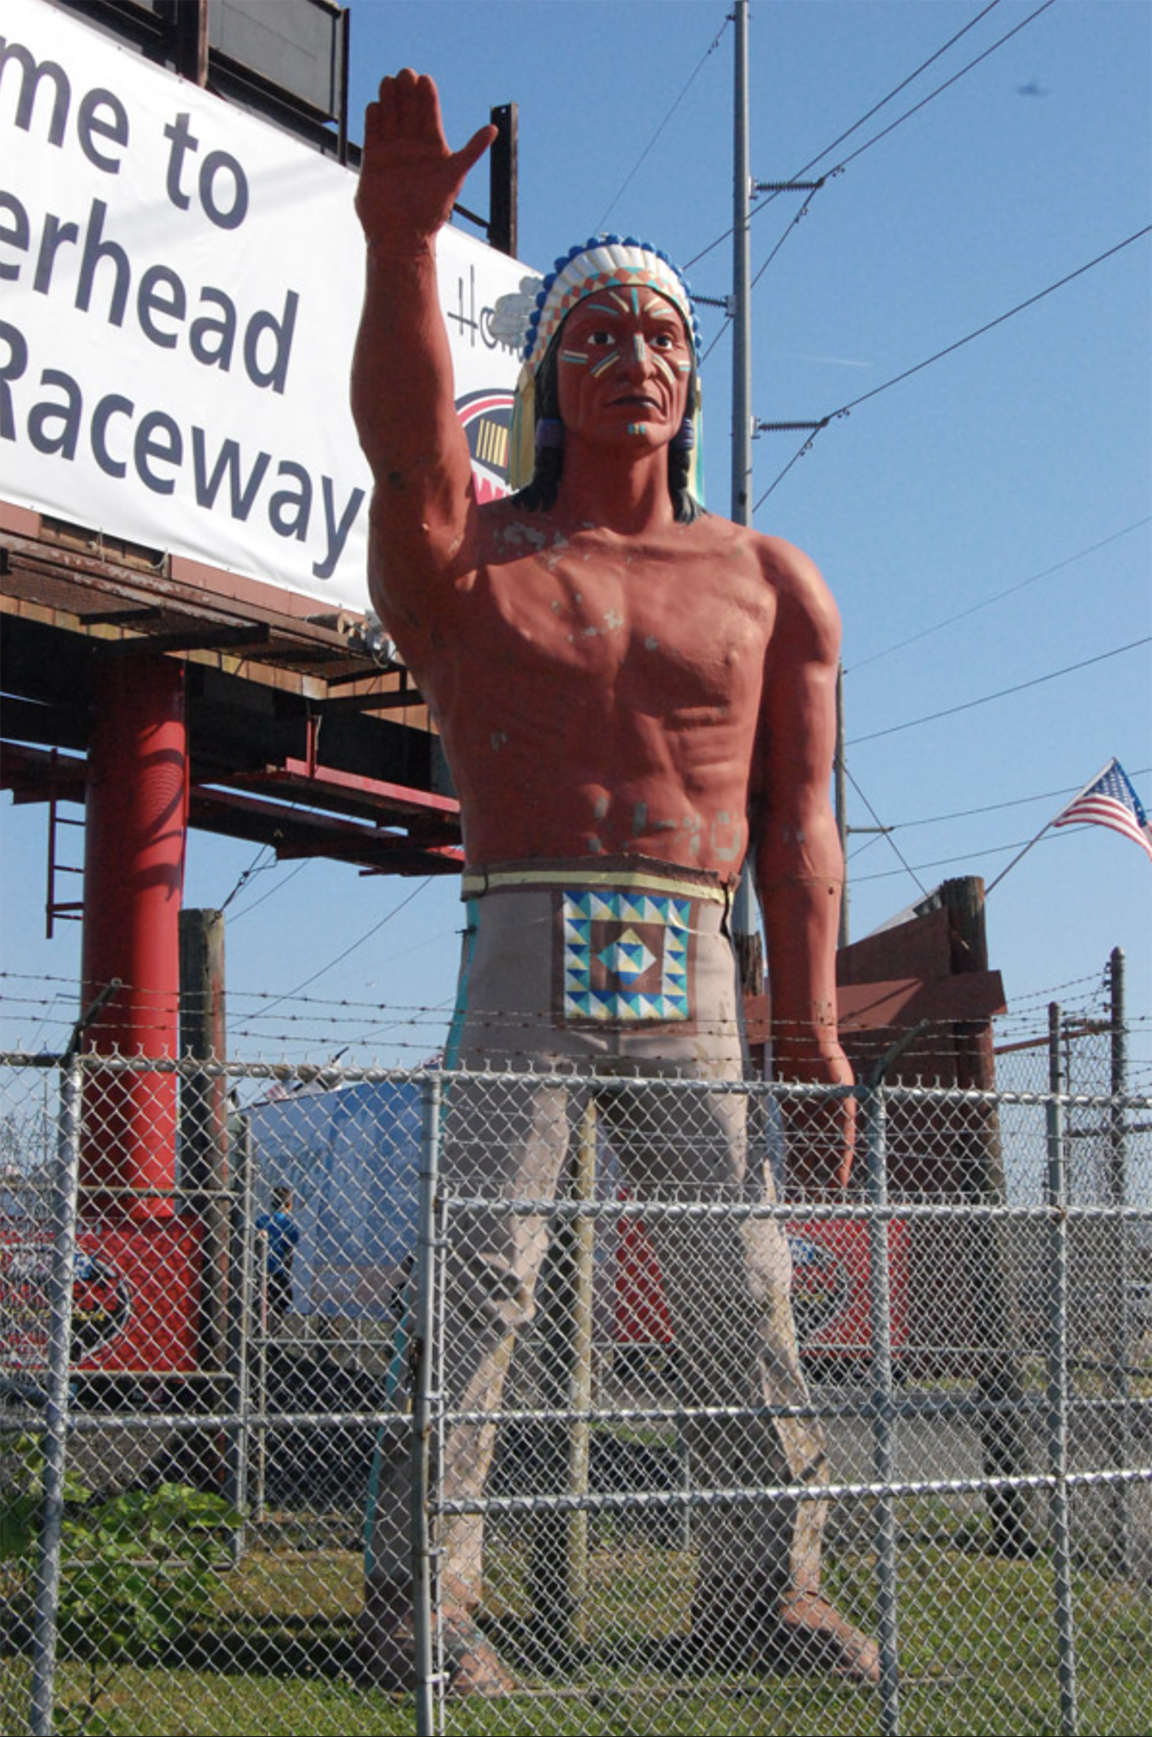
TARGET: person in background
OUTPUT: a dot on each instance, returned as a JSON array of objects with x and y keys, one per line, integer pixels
[{"x": 283, "y": 1234}]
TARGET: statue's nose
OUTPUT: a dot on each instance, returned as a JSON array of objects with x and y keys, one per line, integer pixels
[{"x": 636, "y": 355}]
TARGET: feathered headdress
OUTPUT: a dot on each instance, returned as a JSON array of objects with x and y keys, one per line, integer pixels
[{"x": 533, "y": 320}]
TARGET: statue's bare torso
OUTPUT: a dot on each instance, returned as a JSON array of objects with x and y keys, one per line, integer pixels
[{"x": 600, "y": 694}]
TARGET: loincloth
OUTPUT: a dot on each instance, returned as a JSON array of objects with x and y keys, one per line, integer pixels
[{"x": 595, "y": 958}]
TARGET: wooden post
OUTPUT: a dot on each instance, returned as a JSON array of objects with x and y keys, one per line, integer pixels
[
  {"x": 190, "y": 40},
  {"x": 992, "y": 1304},
  {"x": 204, "y": 1117},
  {"x": 559, "y": 1569},
  {"x": 580, "y": 1374},
  {"x": 503, "y": 185}
]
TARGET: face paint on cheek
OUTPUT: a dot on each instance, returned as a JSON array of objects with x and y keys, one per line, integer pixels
[
  {"x": 603, "y": 366},
  {"x": 573, "y": 356},
  {"x": 664, "y": 367}
]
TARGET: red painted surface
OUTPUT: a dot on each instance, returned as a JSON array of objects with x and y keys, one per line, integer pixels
[
  {"x": 134, "y": 1304},
  {"x": 136, "y": 820},
  {"x": 830, "y": 1287},
  {"x": 642, "y": 1316},
  {"x": 830, "y": 1293}
]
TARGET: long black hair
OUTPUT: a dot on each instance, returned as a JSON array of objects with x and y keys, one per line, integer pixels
[{"x": 539, "y": 494}]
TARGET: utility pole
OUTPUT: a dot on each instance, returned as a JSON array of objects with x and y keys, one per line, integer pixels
[
  {"x": 741, "y": 299},
  {"x": 746, "y": 931},
  {"x": 744, "y": 924},
  {"x": 841, "y": 787}
]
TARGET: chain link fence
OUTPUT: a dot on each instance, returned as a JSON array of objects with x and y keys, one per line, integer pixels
[{"x": 324, "y": 1393}]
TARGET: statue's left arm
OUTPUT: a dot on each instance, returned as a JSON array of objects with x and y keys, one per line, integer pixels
[{"x": 799, "y": 863}]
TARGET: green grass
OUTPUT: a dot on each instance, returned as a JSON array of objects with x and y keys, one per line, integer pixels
[{"x": 977, "y": 1657}]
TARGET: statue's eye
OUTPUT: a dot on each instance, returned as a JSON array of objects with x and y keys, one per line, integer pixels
[
  {"x": 601, "y": 339},
  {"x": 663, "y": 341}
]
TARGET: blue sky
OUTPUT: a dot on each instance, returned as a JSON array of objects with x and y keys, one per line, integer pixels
[{"x": 984, "y": 524}]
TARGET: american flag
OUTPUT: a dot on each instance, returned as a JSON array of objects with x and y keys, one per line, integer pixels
[{"x": 1109, "y": 800}]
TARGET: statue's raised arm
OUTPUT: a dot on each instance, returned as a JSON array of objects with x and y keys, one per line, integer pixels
[{"x": 402, "y": 390}]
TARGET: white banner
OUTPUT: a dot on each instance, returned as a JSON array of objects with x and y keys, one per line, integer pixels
[{"x": 180, "y": 286}]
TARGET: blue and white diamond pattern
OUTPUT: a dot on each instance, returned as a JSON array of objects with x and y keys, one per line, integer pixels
[{"x": 600, "y": 981}]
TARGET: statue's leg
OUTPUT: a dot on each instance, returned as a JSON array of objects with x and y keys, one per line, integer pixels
[
  {"x": 504, "y": 1138},
  {"x": 726, "y": 1280}
]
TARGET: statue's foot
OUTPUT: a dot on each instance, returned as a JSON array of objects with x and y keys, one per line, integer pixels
[
  {"x": 471, "y": 1663},
  {"x": 810, "y": 1634},
  {"x": 798, "y": 1632}
]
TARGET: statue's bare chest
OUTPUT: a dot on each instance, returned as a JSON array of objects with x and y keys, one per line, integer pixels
[{"x": 645, "y": 633}]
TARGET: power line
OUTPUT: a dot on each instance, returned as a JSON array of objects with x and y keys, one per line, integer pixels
[
  {"x": 992, "y": 324},
  {"x": 967, "y": 856},
  {"x": 997, "y": 597},
  {"x": 989, "y": 808},
  {"x": 905, "y": 864},
  {"x": 875, "y": 109},
  {"x": 713, "y": 45},
  {"x": 940, "y": 89},
  {"x": 903, "y": 85},
  {"x": 359, "y": 942},
  {"x": 254, "y": 867},
  {"x": 789, "y": 229},
  {"x": 804, "y": 447},
  {"x": 1001, "y": 693},
  {"x": 306, "y": 862},
  {"x": 906, "y": 373}
]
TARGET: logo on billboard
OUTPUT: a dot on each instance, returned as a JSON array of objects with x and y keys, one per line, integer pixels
[
  {"x": 820, "y": 1286},
  {"x": 101, "y": 1303},
  {"x": 486, "y": 418}
]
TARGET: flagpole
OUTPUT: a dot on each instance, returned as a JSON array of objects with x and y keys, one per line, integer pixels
[{"x": 1045, "y": 827}]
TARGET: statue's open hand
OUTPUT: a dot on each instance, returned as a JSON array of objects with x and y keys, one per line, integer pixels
[
  {"x": 820, "y": 1131},
  {"x": 409, "y": 179}
]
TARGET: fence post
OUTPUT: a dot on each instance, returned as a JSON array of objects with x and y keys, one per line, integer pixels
[
  {"x": 882, "y": 1406},
  {"x": 47, "y": 1605},
  {"x": 204, "y": 1121},
  {"x": 1058, "y": 1373},
  {"x": 239, "y": 1330},
  {"x": 260, "y": 1246},
  {"x": 580, "y": 1381},
  {"x": 558, "y": 1572},
  {"x": 423, "y": 1397},
  {"x": 1121, "y": 1316},
  {"x": 990, "y": 1303}
]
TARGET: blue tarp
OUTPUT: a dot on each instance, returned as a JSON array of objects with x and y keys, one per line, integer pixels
[{"x": 351, "y": 1159}]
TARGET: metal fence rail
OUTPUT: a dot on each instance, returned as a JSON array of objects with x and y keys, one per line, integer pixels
[{"x": 216, "y": 1473}]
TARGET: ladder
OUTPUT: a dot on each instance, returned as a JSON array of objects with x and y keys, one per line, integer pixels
[{"x": 55, "y": 909}]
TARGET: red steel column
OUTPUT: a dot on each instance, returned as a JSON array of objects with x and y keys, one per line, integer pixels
[{"x": 136, "y": 820}]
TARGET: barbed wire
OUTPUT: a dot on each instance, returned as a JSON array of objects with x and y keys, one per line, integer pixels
[{"x": 319, "y": 1027}]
